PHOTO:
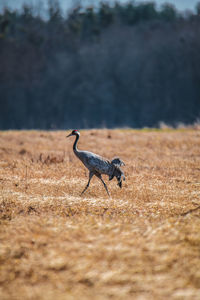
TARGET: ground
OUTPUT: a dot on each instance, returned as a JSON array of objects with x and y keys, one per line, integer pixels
[{"x": 141, "y": 243}]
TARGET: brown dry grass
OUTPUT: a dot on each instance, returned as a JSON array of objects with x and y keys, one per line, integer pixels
[{"x": 142, "y": 243}]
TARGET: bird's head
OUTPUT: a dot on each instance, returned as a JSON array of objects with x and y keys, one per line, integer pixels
[{"x": 74, "y": 132}]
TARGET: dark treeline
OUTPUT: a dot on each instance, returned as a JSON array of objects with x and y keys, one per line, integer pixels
[{"x": 123, "y": 65}]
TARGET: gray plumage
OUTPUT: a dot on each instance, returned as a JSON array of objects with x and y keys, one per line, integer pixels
[{"x": 98, "y": 165}]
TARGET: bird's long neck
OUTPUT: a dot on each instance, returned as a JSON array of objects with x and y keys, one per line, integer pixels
[{"x": 76, "y": 151}]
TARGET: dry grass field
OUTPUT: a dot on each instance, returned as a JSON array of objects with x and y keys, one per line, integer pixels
[{"x": 141, "y": 243}]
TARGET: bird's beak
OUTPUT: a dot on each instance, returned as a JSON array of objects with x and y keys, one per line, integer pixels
[{"x": 68, "y": 135}]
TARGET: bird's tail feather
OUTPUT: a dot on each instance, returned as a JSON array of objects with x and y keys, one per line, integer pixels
[
  {"x": 118, "y": 173},
  {"x": 117, "y": 161}
]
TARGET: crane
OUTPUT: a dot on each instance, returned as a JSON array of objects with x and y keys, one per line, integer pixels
[{"x": 98, "y": 165}]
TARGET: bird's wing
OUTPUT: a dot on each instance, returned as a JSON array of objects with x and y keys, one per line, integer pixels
[{"x": 96, "y": 163}]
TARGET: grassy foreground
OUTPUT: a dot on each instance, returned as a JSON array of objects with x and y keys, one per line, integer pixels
[{"x": 142, "y": 243}]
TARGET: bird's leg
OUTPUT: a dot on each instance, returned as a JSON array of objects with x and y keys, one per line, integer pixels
[
  {"x": 99, "y": 176},
  {"x": 90, "y": 177}
]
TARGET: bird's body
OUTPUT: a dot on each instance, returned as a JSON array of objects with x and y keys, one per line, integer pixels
[
  {"x": 94, "y": 162},
  {"x": 98, "y": 165}
]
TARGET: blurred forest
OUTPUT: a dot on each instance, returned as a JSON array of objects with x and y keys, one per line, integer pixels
[{"x": 108, "y": 66}]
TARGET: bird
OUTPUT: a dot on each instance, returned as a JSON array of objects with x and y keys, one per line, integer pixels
[{"x": 98, "y": 165}]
